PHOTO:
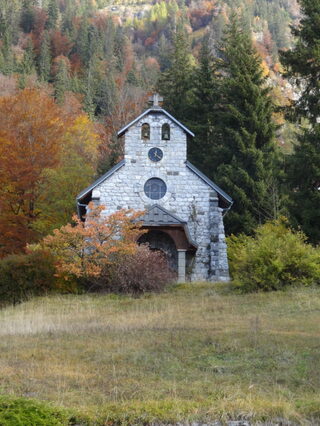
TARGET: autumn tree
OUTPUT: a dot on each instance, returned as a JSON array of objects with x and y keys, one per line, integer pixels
[
  {"x": 75, "y": 170},
  {"x": 86, "y": 249},
  {"x": 31, "y": 127}
]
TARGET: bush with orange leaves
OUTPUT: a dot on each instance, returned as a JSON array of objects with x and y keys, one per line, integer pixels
[
  {"x": 85, "y": 249},
  {"x": 103, "y": 255}
]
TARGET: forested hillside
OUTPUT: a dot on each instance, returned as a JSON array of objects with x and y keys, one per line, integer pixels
[
  {"x": 72, "y": 72},
  {"x": 98, "y": 49}
]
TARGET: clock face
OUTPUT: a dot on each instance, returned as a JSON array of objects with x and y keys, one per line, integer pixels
[{"x": 155, "y": 154}]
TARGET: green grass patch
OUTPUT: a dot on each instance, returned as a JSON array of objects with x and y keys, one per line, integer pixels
[{"x": 28, "y": 412}]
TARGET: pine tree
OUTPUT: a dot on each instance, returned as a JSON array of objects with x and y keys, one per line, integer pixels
[
  {"x": 119, "y": 53},
  {"x": 27, "y": 65},
  {"x": 62, "y": 80},
  {"x": 44, "y": 61},
  {"x": 175, "y": 83},
  {"x": 27, "y": 16},
  {"x": 204, "y": 109},
  {"x": 53, "y": 14},
  {"x": 8, "y": 66},
  {"x": 303, "y": 66},
  {"x": 244, "y": 154},
  {"x": 163, "y": 52}
]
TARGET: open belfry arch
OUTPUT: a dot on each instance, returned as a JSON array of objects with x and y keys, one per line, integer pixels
[{"x": 183, "y": 208}]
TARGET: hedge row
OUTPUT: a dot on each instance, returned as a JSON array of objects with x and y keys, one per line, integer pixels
[{"x": 26, "y": 275}]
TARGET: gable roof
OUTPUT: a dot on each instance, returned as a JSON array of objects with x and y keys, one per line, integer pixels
[
  {"x": 154, "y": 109},
  {"x": 226, "y": 198},
  {"x": 157, "y": 215},
  {"x": 89, "y": 188}
]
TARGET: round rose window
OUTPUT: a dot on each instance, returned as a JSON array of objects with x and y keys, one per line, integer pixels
[{"x": 155, "y": 188}]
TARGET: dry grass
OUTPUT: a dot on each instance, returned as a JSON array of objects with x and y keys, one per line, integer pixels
[{"x": 198, "y": 351}]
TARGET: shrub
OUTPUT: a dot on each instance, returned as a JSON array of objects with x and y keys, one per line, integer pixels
[
  {"x": 142, "y": 271},
  {"x": 101, "y": 253},
  {"x": 274, "y": 258},
  {"x": 85, "y": 249},
  {"x": 26, "y": 275}
]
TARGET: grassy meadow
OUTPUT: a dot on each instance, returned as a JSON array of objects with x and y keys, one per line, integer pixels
[{"x": 196, "y": 352}]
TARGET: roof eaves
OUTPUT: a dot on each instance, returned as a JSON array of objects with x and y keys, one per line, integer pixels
[
  {"x": 223, "y": 194},
  {"x": 100, "y": 180},
  {"x": 181, "y": 222}
]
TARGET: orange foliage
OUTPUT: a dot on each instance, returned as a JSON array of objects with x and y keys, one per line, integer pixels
[
  {"x": 40, "y": 20},
  {"x": 86, "y": 249},
  {"x": 31, "y": 127},
  {"x": 56, "y": 63},
  {"x": 129, "y": 105},
  {"x": 151, "y": 62},
  {"x": 76, "y": 63},
  {"x": 60, "y": 44}
]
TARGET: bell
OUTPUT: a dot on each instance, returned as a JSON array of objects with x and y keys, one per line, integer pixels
[
  {"x": 166, "y": 135},
  {"x": 145, "y": 133}
]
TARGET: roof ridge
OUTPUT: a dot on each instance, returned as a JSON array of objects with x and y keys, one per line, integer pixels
[{"x": 154, "y": 109}]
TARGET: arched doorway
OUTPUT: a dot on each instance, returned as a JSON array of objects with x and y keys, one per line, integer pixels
[{"x": 159, "y": 240}]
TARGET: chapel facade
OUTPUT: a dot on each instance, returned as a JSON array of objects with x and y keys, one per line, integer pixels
[{"x": 184, "y": 209}]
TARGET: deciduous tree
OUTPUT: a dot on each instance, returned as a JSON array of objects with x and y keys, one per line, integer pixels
[
  {"x": 31, "y": 127},
  {"x": 75, "y": 171}
]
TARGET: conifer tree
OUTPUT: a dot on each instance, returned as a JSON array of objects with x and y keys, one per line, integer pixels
[
  {"x": 53, "y": 14},
  {"x": 27, "y": 15},
  {"x": 204, "y": 109},
  {"x": 244, "y": 152},
  {"x": 303, "y": 66},
  {"x": 44, "y": 61},
  {"x": 62, "y": 80},
  {"x": 8, "y": 62},
  {"x": 27, "y": 65},
  {"x": 175, "y": 83}
]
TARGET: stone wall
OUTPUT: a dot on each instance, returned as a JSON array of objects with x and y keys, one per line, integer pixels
[{"x": 187, "y": 195}]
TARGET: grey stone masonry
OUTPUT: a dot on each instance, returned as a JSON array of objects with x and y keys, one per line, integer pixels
[{"x": 189, "y": 197}]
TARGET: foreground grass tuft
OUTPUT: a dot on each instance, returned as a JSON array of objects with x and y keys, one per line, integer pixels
[
  {"x": 24, "y": 412},
  {"x": 196, "y": 353}
]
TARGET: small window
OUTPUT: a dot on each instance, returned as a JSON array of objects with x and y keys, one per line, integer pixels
[
  {"x": 165, "y": 133},
  {"x": 155, "y": 188},
  {"x": 145, "y": 131}
]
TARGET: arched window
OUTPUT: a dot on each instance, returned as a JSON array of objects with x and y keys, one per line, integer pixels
[
  {"x": 145, "y": 131},
  {"x": 165, "y": 132},
  {"x": 155, "y": 188}
]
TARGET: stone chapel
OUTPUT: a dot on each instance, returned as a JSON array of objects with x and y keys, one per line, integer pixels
[{"x": 184, "y": 209}]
